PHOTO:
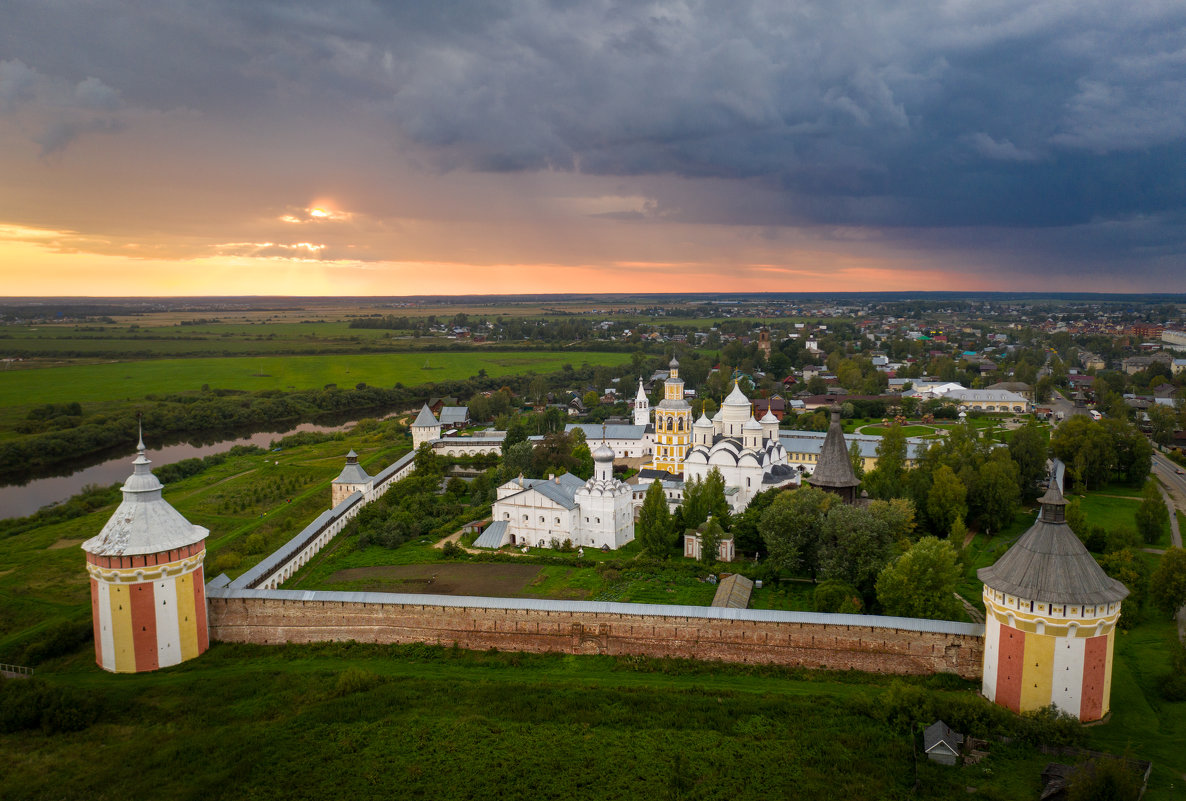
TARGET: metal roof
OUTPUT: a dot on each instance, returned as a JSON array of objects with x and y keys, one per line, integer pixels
[
  {"x": 813, "y": 441},
  {"x": 278, "y": 558},
  {"x": 608, "y": 607},
  {"x": 352, "y": 473},
  {"x": 612, "y": 431},
  {"x": 561, "y": 489},
  {"x": 984, "y": 395},
  {"x": 454, "y": 414},
  {"x": 493, "y": 535},
  {"x": 425, "y": 418},
  {"x": 393, "y": 468},
  {"x": 939, "y": 732},
  {"x": 144, "y": 522}
]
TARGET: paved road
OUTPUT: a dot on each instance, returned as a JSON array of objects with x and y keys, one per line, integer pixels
[
  {"x": 1174, "y": 479},
  {"x": 1174, "y": 492},
  {"x": 1059, "y": 403}
]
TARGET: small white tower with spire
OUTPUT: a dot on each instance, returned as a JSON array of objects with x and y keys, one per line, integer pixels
[{"x": 642, "y": 406}]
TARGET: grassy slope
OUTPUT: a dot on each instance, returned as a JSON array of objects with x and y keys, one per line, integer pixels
[
  {"x": 262, "y": 722},
  {"x": 40, "y": 584},
  {"x": 115, "y": 381}
]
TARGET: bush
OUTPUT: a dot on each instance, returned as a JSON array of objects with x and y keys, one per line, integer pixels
[
  {"x": 32, "y": 704},
  {"x": 452, "y": 550},
  {"x": 356, "y": 680},
  {"x": 904, "y": 706},
  {"x": 58, "y": 640},
  {"x": 1096, "y": 539},
  {"x": 1106, "y": 777},
  {"x": 227, "y": 560},
  {"x": 1122, "y": 538},
  {"x": 1173, "y": 684},
  {"x": 839, "y": 597}
]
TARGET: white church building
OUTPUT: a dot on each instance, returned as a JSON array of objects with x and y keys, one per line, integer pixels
[{"x": 543, "y": 512}]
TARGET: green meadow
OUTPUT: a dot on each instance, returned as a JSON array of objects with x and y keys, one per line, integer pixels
[{"x": 134, "y": 380}]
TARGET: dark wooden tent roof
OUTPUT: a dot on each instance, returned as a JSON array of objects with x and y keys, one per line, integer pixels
[
  {"x": 834, "y": 468},
  {"x": 1049, "y": 564}
]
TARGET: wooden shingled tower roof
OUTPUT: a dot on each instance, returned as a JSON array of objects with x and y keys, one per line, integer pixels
[
  {"x": 1049, "y": 564},
  {"x": 834, "y": 470}
]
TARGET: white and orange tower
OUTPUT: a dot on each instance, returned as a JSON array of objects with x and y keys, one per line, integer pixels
[
  {"x": 673, "y": 424},
  {"x": 148, "y": 596},
  {"x": 1051, "y": 621}
]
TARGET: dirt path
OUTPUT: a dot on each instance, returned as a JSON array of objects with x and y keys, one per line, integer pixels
[
  {"x": 974, "y": 613},
  {"x": 455, "y": 538}
]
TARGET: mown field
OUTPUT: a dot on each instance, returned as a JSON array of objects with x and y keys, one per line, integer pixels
[{"x": 134, "y": 380}]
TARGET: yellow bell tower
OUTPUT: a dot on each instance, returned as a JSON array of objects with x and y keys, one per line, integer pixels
[{"x": 673, "y": 425}]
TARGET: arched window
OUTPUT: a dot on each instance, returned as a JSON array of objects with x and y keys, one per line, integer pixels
[{"x": 679, "y": 424}]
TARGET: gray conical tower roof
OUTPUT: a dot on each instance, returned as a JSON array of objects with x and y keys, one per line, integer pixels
[
  {"x": 1049, "y": 564},
  {"x": 834, "y": 468},
  {"x": 425, "y": 418}
]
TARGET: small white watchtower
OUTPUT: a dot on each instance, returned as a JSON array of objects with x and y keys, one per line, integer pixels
[{"x": 425, "y": 427}]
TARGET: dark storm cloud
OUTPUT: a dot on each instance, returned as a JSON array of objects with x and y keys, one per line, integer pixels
[{"x": 910, "y": 116}]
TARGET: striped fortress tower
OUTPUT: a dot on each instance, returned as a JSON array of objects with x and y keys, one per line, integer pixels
[
  {"x": 1051, "y": 621},
  {"x": 148, "y": 597}
]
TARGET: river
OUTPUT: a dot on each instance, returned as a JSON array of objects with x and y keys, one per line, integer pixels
[{"x": 22, "y": 500}]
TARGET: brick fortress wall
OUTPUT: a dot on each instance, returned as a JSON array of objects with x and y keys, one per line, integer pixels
[{"x": 877, "y": 645}]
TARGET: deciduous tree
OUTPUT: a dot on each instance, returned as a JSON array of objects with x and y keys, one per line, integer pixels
[
  {"x": 887, "y": 480},
  {"x": 1028, "y": 448},
  {"x": 948, "y": 499},
  {"x": 792, "y": 526},
  {"x": 994, "y": 495},
  {"x": 710, "y": 540},
  {"x": 921, "y": 582},
  {"x": 1152, "y": 516},
  {"x": 855, "y": 544},
  {"x": 1167, "y": 585},
  {"x": 653, "y": 528}
]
